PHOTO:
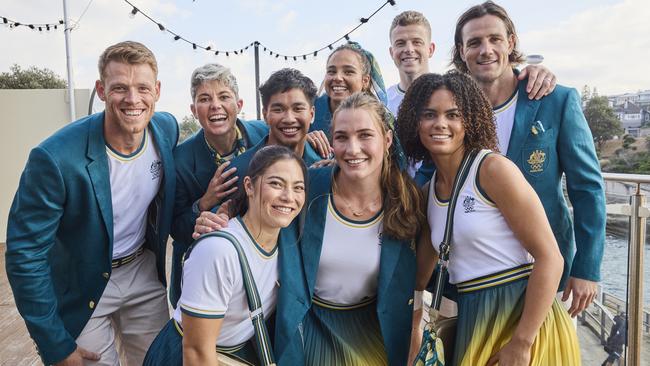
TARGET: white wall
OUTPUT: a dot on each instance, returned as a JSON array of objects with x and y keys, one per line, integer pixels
[{"x": 28, "y": 117}]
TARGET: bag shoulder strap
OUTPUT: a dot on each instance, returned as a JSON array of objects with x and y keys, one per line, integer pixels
[
  {"x": 445, "y": 245},
  {"x": 263, "y": 342}
]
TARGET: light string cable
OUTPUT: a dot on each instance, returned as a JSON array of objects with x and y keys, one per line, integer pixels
[{"x": 177, "y": 37}]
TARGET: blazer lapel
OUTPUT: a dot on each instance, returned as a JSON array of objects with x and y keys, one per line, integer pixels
[
  {"x": 165, "y": 152},
  {"x": 391, "y": 251},
  {"x": 98, "y": 172},
  {"x": 524, "y": 115},
  {"x": 312, "y": 241}
]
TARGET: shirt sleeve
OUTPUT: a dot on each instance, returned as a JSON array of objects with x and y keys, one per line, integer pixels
[{"x": 210, "y": 274}]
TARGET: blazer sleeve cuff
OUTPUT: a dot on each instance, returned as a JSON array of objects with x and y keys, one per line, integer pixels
[{"x": 56, "y": 353}]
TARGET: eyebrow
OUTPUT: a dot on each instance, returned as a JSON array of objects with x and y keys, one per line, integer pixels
[
  {"x": 434, "y": 110},
  {"x": 355, "y": 131},
  {"x": 282, "y": 179}
]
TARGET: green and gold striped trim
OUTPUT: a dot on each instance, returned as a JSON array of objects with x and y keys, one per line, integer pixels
[{"x": 496, "y": 279}]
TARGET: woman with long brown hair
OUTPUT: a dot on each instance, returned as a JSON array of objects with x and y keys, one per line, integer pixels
[{"x": 357, "y": 251}]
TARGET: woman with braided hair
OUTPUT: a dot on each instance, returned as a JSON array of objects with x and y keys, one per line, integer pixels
[
  {"x": 350, "y": 69},
  {"x": 504, "y": 259}
]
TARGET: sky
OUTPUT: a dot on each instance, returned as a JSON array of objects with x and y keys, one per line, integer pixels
[{"x": 600, "y": 43}]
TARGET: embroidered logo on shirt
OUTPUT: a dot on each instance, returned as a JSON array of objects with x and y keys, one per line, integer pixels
[
  {"x": 536, "y": 161},
  {"x": 468, "y": 204},
  {"x": 156, "y": 168}
]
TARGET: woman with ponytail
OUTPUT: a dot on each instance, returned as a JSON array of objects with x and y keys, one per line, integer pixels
[{"x": 357, "y": 251}]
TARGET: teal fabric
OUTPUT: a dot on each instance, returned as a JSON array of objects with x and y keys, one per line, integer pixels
[
  {"x": 322, "y": 115},
  {"x": 167, "y": 349},
  {"x": 395, "y": 286},
  {"x": 309, "y": 156},
  {"x": 195, "y": 167},
  {"x": 60, "y": 229},
  {"x": 344, "y": 337},
  {"x": 567, "y": 144}
]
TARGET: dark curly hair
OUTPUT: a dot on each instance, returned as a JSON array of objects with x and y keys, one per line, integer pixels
[{"x": 475, "y": 110}]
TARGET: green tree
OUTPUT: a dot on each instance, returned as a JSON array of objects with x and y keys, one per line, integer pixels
[
  {"x": 628, "y": 140},
  {"x": 586, "y": 94},
  {"x": 189, "y": 125},
  {"x": 602, "y": 121},
  {"x": 32, "y": 78}
]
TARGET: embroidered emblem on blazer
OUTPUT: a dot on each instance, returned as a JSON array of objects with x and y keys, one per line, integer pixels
[{"x": 536, "y": 161}]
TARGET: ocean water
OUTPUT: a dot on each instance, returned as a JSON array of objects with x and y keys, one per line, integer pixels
[{"x": 614, "y": 270}]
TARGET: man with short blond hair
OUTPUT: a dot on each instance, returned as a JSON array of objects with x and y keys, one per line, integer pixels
[{"x": 88, "y": 226}]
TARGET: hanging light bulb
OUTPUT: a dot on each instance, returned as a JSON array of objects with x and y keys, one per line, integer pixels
[{"x": 134, "y": 11}]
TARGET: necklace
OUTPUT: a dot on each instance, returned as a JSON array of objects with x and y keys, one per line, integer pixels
[{"x": 356, "y": 213}]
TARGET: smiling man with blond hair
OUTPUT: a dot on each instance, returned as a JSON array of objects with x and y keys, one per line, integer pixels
[{"x": 88, "y": 226}]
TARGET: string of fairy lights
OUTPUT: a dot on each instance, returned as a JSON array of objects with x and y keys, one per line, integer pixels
[
  {"x": 34, "y": 26},
  {"x": 217, "y": 52}
]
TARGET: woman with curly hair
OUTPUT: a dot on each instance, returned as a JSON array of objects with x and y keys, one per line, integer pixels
[{"x": 504, "y": 259}]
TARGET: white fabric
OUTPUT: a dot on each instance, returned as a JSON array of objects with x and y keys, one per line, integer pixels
[
  {"x": 395, "y": 97},
  {"x": 213, "y": 286},
  {"x": 482, "y": 241},
  {"x": 135, "y": 181},
  {"x": 505, "y": 119},
  {"x": 132, "y": 311},
  {"x": 349, "y": 262}
]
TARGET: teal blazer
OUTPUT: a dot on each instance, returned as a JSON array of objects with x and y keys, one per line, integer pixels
[
  {"x": 60, "y": 230},
  {"x": 322, "y": 115},
  {"x": 563, "y": 145},
  {"x": 550, "y": 137},
  {"x": 298, "y": 269},
  {"x": 195, "y": 167}
]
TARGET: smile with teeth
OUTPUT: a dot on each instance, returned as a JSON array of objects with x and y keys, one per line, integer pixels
[
  {"x": 217, "y": 118},
  {"x": 410, "y": 59},
  {"x": 355, "y": 161},
  {"x": 289, "y": 130},
  {"x": 283, "y": 209},
  {"x": 133, "y": 112},
  {"x": 440, "y": 137},
  {"x": 339, "y": 89},
  {"x": 486, "y": 62}
]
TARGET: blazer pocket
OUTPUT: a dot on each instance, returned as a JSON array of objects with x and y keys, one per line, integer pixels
[{"x": 535, "y": 154}]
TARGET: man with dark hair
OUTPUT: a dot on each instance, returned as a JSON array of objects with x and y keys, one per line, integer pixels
[
  {"x": 88, "y": 226},
  {"x": 288, "y": 107},
  {"x": 546, "y": 139}
]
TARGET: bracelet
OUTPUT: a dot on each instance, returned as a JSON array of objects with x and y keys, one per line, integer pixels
[{"x": 418, "y": 301}]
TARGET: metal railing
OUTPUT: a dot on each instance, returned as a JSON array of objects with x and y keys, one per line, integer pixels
[{"x": 637, "y": 213}]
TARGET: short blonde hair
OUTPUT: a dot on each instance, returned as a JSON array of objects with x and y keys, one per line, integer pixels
[
  {"x": 128, "y": 52},
  {"x": 409, "y": 17}
]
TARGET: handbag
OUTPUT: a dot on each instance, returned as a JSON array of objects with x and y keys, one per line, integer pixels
[
  {"x": 439, "y": 336},
  {"x": 262, "y": 341}
]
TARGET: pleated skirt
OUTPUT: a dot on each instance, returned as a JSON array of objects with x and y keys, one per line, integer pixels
[
  {"x": 343, "y": 335},
  {"x": 489, "y": 309},
  {"x": 167, "y": 349}
]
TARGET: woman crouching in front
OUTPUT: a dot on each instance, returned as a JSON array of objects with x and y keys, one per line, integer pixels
[{"x": 214, "y": 305}]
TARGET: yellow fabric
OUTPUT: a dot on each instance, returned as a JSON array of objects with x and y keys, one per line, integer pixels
[{"x": 556, "y": 342}]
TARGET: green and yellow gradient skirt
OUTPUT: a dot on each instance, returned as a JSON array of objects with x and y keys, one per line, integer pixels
[
  {"x": 489, "y": 309},
  {"x": 343, "y": 335}
]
